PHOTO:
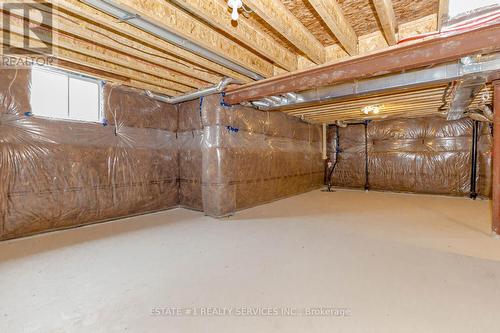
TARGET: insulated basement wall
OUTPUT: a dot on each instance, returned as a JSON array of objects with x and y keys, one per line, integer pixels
[
  {"x": 484, "y": 170},
  {"x": 190, "y": 139},
  {"x": 421, "y": 155},
  {"x": 249, "y": 157},
  {"x": 58, "y": 174},
  {"x": 150, "y": 156}
]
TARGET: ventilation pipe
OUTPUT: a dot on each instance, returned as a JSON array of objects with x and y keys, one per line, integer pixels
[
  {"x": 218, "y": 88},
  {"x": 341, "y": 123},
  {"x": 485, "y": 109},
  {"x": 478, "y": 117},
  {"x": 440, "y": 74},
  {"x": 465, "y": 92}
]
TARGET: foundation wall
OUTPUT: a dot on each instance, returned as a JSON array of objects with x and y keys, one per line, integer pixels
[
  {"x": 190, "y": 139},
  {"x": 57, "y": 174},
  {"x": 147, "y": 156},
  {"x": 250, "y": 157},
  {"x": 424, "y": 155}
]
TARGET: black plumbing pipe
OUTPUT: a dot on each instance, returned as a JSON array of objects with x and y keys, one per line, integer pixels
[
  {"x": 473, "y": 172},
  {"x": 337, "y": 151}
]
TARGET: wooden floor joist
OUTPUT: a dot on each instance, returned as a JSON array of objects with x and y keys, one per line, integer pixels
[
  {"x": 83, "y": 48},
  {"x": 404, "y": 57},
  {"x": 153, "y": 83},
  {"x": 148, "y": 55},
  {"x": 442, "y": 13},
  {"x": 283, "y": 21},
  {"x": 166, "y": 15},
  {"x": 215, "y": 12},
  {"x": 134, "y": 37},
  {"x": 83, "y": 41},
  {"x": 331, "y": 13},
  {"x": 166, "y": 67},
  {"x": 387, "y": 18}
]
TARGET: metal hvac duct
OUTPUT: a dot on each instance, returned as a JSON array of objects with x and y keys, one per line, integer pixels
[
  {"x": 109, "y": 7},
  {"x": 467, "y": 67},
  {"x": 194, "y": 95},
  {"x": 465, "y": 92}
]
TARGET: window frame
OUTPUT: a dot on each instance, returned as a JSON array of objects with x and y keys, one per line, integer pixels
[{"x": 78, "y": 76}]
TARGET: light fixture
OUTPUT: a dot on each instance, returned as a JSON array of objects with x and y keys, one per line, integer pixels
[
  {"x": 371, "y": 109},
  {"x": 235, "y": 5}
]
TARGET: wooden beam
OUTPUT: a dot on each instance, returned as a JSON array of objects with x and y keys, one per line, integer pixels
[
  {"x": 70, "y": 30},
  {"x": 78, "y": 26},
  {"x": 95, "y": 51},
  {"x": 496, "y": 161},
  {"x": 79, "y": 68},
  {"x": 154, "y": 84},
  {"x": 387, "y": 18},
  {"x": 421, "y": 26},
  {"x": 171, "y": 18},
  {"x": 215, "y": 13},
  {"x": 331, "y": 13},
  {"x": 283, "y": 21},
  {"x": 442, "y": 13},
  {"x": 372, "y": 42},
  {"x": 95, "y": 72},
  {"x": 141, "y": 40},
  {"x": 404, "y": 57}
]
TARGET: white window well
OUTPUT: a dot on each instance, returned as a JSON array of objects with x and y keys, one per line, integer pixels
[{"x": 62, "y": 95}]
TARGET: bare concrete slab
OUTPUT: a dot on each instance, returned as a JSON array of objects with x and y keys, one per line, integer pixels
[{"x": 346, "y": 261}]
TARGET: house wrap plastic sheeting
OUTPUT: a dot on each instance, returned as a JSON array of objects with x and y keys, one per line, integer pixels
[
  {"x": 484, "y": 166},
  {"x": 422, "y": 155},
  {"x": 190, "y": 138},
  {"x": 250, "y": 157},
  {"x": 56, "y": 174}
]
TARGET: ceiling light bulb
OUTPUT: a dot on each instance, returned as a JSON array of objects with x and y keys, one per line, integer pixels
[
  {"x": 485, "y": 96},
  {"x": 235, "y": 5},
  {"x": 234, "y": 14},
  {"x": 373, "y": 109}
]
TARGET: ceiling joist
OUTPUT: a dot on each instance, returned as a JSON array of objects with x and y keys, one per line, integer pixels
[
  {"x": 331, "y": 13},
  {"x": 215, "y": 13},
  {"x": 442, "y": 13},
  {"x": 387, "y": 18},
  {"x": 409, "y": 56},
  {"x": 69, "y": 56},
  {"x": 136, "y": 38},
  {"x": 283, "y": 21},
  {"x": 77, "y": 26},
  {"x": 147, "y": 73},
  {"x": 171, "y": 18}
]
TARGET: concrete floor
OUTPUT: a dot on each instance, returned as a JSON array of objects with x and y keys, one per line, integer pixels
[{"x": 383, "y": 262}]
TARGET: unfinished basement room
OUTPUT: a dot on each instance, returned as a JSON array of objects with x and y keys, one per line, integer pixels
[{"x": 250, "y": 166}]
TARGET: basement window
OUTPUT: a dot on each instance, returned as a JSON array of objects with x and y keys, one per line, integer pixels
[{"x": 62, "y": 95}]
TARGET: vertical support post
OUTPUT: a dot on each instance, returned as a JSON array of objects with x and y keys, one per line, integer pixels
[
  {"x": 473, "y": 171},
  {"x": 496, "y": 160},
  {"x": 337, "y": 151}
]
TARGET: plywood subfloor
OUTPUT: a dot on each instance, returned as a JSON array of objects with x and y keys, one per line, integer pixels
[{"x": 400, "y": 263}]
